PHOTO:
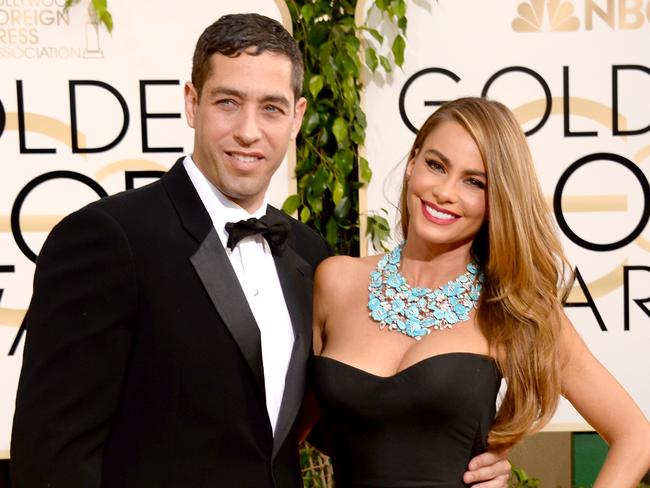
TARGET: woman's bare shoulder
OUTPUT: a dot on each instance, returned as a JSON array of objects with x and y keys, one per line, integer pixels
[
  {"x": 341, "y": 267},
  {"x": 341, "y": 274},
  {"x": 341, "y": 283}
]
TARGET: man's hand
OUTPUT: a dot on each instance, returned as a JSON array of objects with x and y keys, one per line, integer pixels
[{"x": 490, "y": 470}]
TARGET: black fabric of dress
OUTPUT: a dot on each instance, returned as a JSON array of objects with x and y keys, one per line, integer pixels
[{"x": 416, "y": 429}]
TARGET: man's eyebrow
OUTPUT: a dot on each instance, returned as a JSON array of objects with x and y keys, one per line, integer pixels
[
  {"x": 220, "y": 90},
  {"x": 278, "y": 99},
  {"x": 448, "y": 162},
  {"x": 233, "y": 92}
]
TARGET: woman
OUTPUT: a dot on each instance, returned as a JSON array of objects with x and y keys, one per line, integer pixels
[{"x": 411, "y": 346}]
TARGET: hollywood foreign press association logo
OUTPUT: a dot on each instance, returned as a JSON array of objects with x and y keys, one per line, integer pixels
[{"x": 44, "y": 29}]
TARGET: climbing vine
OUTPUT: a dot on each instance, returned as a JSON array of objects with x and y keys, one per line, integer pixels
[{"x": 330, "y": 169}]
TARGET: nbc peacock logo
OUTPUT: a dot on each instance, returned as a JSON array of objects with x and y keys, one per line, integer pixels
[{"x": 546, "y": 15}]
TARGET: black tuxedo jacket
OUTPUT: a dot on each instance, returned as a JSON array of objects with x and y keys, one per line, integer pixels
[{"x": 142, "y": 365}]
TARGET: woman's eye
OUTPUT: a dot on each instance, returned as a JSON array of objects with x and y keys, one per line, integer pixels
[
  {"x": 476, "y": 183},
  {"x": 435, "y": 165}
]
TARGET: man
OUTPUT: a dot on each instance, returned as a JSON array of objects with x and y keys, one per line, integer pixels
[{"x": 166, "y": 346}]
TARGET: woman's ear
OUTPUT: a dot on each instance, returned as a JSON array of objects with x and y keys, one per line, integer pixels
[{"x": 411, "y": 163}]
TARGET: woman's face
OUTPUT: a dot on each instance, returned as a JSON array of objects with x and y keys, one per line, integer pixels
[{"x": 447, "y": 188}]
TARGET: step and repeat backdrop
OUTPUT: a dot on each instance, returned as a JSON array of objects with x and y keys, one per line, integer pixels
[
  {"x": 577, "y": 75},
  {"x": 83, "y": 114}
]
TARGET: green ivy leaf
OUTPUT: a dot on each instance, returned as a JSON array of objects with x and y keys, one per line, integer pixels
[
  {"x": 353, "y": 42},
  {"x": 325, "y": 53},
  {"x": 346, "y": 64},
  {"x": 304, "y": 182},
  {"x": 348, "y": 21},
  {"x": 311, "y": 123},
  {"x": 328, "y": 71},
  {"x": 338, "y": 192},
  {"x": 402, "y": 24},
  {"x": 291, "y": 204},
  {"x": 361, "y": 117},
  {"x": 307, "y": 12},
  {"x": 378, "y": 230},
  {"x": 381, "y": 5},
  {"x": 374, "y": 33},
  {"x": 107, "y": 19},
  {"x": 399, "y": 7},
  {"x": 103, "y": 14},
  {"x": 315, "y": 202},
  {"x": 332, "y": 232},
  {"x": 356, "y": 137},
  {"x": 323, "y": 137},
  {"x": 319, "y": 182},
  {"x": 305, "y": 163},
  {"x": 366, "y": 172},
  {"x": 316, "y": 83},
  {"x": 399, "y": 44},
  {"x": 318, "y": 34},
  {"x": 304, "y": 215},
  {"x": 385, "y": 63},
  {"x": 340, "y": 131},
  {"x": 344, "y": 162},
  {"x": 350, "y": 91},
  {"x": 342, "y": 208},
  {"x": 371, "y": 59},
  {"x": 353, "y": 54}
]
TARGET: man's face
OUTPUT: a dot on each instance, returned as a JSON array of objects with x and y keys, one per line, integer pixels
[{"x": 243, "y": 123}]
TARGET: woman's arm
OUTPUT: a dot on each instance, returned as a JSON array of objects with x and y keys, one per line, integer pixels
[
  {"x": 608, "y": 408},
  {"x": 324, "y": 272}
]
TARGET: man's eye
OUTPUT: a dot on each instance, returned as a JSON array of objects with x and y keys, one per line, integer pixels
[
  {"x": 226, "y": 102},
  {"x": 272, "y": 109}
]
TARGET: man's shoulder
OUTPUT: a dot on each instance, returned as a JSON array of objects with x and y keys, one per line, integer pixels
[
  {"x": 310, "y": 245},
  {"x": 122, "y": 212},
  {"x": 142, "y": 204},
  {"x": 304, "y": 232}
]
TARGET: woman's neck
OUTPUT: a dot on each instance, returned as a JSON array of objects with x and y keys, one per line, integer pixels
[{"x": 431, "y": 266}]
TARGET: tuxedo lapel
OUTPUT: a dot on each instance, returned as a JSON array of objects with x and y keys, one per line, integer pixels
[
  {"x": 295, "y": 278},
  {"x": 220, "y": 281},
  {"x": 215, "y": 271}
]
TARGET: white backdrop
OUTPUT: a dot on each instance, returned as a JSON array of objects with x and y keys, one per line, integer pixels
[
  {"x": 465, "y": 40},
  {"x": 560, "y": 55},
  {"x": 41, "y": 52}
]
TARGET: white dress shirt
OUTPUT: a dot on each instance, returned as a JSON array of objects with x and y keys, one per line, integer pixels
[{"x": 254, "y": 266}]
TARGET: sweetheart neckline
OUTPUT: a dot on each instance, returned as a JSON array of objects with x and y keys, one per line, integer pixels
[{"x": 412, "y": 366}]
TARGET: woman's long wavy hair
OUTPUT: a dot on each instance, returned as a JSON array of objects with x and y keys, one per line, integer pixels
[{"x": 524, "y": 265}]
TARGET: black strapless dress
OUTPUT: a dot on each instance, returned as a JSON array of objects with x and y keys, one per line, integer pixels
[{"x": 416, "y": 429}]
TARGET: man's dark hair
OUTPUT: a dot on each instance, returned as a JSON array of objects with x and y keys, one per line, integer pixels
[{"x": 253, "y": 33}]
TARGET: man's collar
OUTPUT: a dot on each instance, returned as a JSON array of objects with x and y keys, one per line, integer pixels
[{"x": 221, "y": 209}]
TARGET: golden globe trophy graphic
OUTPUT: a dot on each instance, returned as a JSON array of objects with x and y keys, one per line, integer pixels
[{"x": 93, "y": 50}]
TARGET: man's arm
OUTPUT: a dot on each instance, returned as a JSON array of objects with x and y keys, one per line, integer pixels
[{"x": 79, "y": 327}]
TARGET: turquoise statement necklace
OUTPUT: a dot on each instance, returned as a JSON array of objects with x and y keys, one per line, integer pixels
[{"x": 415, "y": 311}]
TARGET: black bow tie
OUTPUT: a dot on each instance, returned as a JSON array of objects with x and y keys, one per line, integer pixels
[{"x": 274, "y": 229}]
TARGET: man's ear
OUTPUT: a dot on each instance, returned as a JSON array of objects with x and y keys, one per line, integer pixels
[
  {"x": 298, "y": 115},
  {"x": 191, "y": 101}
]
